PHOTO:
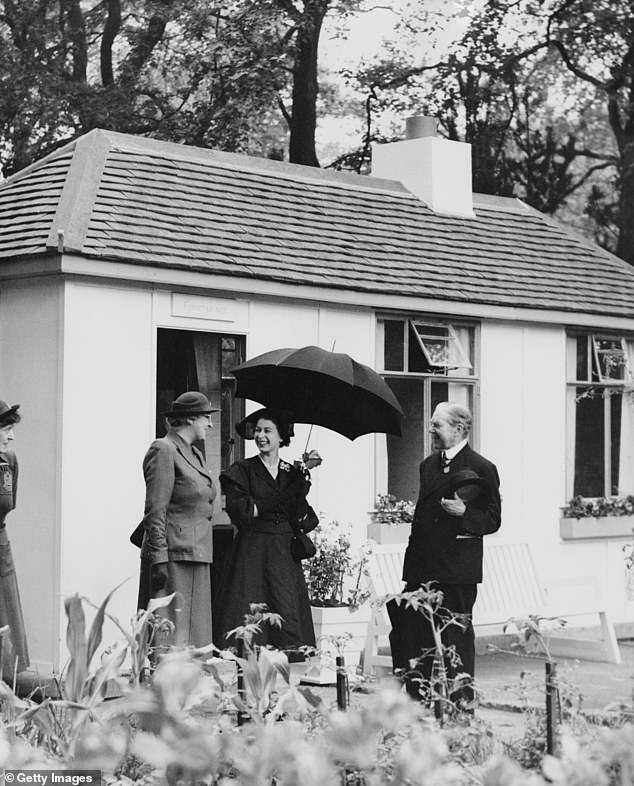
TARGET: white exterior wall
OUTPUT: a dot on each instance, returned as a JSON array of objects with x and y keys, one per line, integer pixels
[
  {"x": 108, "y": 416},
  {"x": 523, "y": 431},
  {"x": 86, "y": 382},
  {"x": 31, "y": 333}
]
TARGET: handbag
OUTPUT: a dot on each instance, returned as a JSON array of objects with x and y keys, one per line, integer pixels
[
  {"x": 302, "y": 546},
  {"x": 136, "y": 538}
]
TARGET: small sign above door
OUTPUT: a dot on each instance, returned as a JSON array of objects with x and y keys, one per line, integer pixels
[{"x": 214, "y": 308}]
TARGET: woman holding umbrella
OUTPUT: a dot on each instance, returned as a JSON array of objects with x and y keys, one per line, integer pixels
[{"x": 266, "y": 501}]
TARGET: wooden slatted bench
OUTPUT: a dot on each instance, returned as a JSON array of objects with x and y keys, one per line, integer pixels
[{"x": 510, "y": 588}]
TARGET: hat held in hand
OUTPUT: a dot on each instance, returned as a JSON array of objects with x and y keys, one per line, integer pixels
[{"x": 467, "y": 484}]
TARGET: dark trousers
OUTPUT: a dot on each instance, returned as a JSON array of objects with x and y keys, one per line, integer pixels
[{"x": 412, "y": 639}]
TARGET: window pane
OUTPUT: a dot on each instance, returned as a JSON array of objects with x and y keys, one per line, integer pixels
[
  {"x": 393, "y": 345},
  {"x": 232, "y": 408},
  {"x": 616, "y": 404},
  {"x": 589, "y": 445},
  {"x": 583, "y": 372},
  {"x": 610, "y": 358},
  {"x": 231, "y": 353},
  {"x": 441, "y": 349},
  {"x": 463, "y": 365},
  {"x": 405, "y": 453},
  {"x": 416, "y": 360}
]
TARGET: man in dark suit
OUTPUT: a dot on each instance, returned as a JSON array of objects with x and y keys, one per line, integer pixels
[{"x": 445, "y": 547}]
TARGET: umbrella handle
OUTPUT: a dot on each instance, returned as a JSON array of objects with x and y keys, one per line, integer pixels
[{"x": 310, "y": 431}]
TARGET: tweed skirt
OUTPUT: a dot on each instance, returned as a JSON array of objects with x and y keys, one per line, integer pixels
[{"x": 190, "y": 611}]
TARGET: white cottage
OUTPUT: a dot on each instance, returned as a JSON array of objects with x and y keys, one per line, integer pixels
[{"x": 133, "y": 269}]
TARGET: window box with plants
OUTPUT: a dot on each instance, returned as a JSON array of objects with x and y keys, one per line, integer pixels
[
  {"x": 605, "y": 517},
  {"x": 391, "y": 520},
  {"x": 334, "y": 578}
]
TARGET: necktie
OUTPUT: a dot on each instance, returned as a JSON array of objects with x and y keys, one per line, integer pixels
[{"x": 444, "y": 461}]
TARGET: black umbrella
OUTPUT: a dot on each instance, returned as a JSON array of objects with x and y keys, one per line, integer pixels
[{"x": 323, "y": 388}]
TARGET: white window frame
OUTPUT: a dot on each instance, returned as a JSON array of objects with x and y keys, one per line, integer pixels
[
  {"x": 440, "y": 374},
  {"x": 451, "y": 341},
  {"x": 602, "y": 386}
]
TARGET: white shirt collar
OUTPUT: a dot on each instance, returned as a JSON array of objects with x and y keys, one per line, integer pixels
[{"x": 453, "y": 452}]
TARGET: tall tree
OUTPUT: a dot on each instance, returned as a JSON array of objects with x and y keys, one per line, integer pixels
[
  {"x": 53, "y": 86},
  {"x": 187, "y": 70},
  {"x": 305, "y": 19},
  {"x": 494, "y": 87},
  {"x": 594, "y": 40}
]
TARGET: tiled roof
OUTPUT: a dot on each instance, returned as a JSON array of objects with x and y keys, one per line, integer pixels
[{"x": 118, "y": 197}]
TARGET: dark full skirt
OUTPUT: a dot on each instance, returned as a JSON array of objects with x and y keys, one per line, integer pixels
[
  {"x": 15, "y": 654},
  {"x": 190, "y": 611},
  {"x": 261, "y": 569}
]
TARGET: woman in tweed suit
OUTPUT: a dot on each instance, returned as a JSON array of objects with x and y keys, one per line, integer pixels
[{"x": 177, "y": 547}]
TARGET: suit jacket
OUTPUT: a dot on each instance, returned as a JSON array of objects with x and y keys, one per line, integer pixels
[
  {"x": 178, "y": 503},
  {"x": 248, "y": 482},
  {"x": 434, "y": 553}
]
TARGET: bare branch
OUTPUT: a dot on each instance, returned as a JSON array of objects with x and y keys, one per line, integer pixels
[{"x": 284, "y": 110}]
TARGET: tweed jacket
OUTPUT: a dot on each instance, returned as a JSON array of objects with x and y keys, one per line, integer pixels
[
  {"x": 437, "y": 549},
  {"x": 178, "y": 503}
]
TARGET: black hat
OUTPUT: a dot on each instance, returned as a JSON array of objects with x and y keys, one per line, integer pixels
[
  {"x": 467, "y": 483},
  {"x": 283, "y": 419},
  {"x": 190, "y": 403},
  {"x": 6, "y": 410}
]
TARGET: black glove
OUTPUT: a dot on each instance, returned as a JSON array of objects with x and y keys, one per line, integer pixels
[{"x": 159, "y": 576}]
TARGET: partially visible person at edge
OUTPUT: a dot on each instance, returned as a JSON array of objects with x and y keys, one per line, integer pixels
[
  {"x": 445, "y": 547},
  {"x": 263, "y": 496},
  {"x": 177, "y": 547},
  {"x": 15, "y": 655}
]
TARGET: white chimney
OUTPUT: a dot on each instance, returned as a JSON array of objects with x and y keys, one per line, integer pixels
[{"x": 437, "y": 170}]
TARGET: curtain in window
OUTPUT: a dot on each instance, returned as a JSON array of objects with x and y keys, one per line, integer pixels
[{"x": 207, "y": 356}]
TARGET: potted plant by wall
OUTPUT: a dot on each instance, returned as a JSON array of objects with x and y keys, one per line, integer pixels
[
  {"x": 336, "y": 588},
  {"x": 602, "y": 517},
  {"x": 391, "y": 519}
]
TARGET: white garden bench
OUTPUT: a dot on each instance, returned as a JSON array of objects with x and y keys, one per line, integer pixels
[{"x": 510, "y": 588}]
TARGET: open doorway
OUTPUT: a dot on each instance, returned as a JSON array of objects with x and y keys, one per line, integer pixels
[{"x": 191, "y": 360}]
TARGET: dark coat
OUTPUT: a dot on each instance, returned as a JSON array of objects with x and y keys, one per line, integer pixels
[
  {"x": 8, "y": 483},
  {"x": 248, "y": 482},
  {"x": 178, "y": 503},
  {"x": 434, "y": 553},
  {"x": 260, "y": 567}
]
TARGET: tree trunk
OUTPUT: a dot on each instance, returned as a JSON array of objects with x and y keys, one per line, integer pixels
[
  {"x": 303, "y": 123},
  {"x": 110, "y": 32},
  {"x": 625, "y": 244}
]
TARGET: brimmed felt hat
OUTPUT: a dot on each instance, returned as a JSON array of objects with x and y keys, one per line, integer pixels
[
  {"x": 6, "y": 410},
  {"x": 190, "y": 403},
  {"x": 283, "y": 418},
  {"x": 467, "y": 484}
]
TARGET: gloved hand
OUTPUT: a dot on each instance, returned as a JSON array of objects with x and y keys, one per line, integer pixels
[{"x": 159, "y": 576}]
